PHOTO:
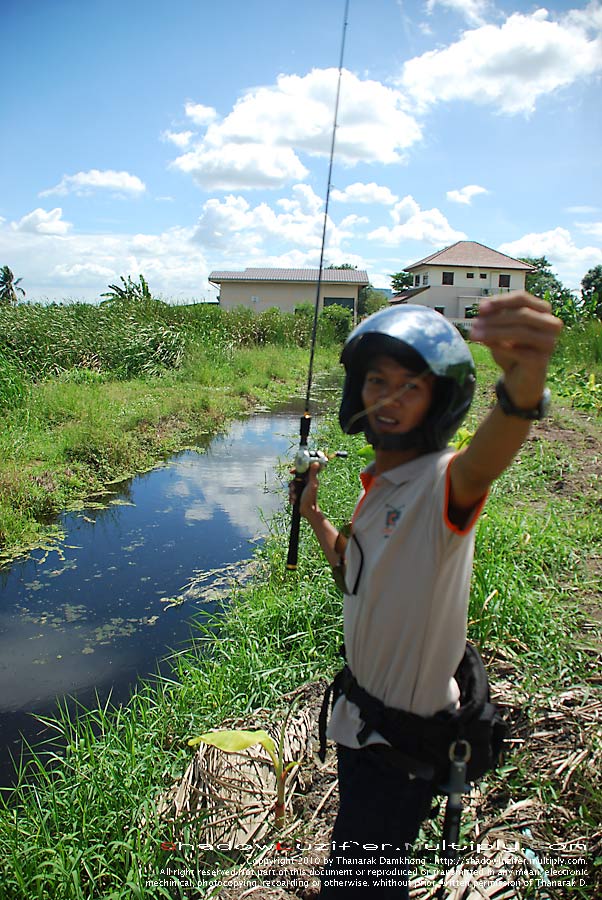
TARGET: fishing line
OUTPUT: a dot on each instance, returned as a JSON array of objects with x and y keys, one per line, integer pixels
[
  {"x": 304, "y": 457},
  {"x": 327, "y": 202}
]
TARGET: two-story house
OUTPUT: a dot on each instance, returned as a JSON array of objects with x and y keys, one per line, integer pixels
[{"x": 456, "y": 278}]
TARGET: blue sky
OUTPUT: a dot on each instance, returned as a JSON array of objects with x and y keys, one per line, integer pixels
[{"x": 173, "y": 138}]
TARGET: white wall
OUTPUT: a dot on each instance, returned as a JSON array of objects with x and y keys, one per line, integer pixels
[{"x": 464, "y": 291}]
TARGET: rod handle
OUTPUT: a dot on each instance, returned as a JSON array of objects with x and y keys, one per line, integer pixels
[{"x": 299, "y": 481}]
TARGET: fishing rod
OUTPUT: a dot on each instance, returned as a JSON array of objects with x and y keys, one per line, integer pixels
[{"x": 305, "y": 457}]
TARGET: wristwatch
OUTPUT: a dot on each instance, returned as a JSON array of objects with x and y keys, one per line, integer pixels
[{"x": 510, "y": 409}]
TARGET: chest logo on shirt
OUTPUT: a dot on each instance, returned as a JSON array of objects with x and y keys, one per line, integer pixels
[{"x": 392, "y": 517}]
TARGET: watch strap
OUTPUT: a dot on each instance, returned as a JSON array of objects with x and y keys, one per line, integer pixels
[{"x": 509, "y": 408}]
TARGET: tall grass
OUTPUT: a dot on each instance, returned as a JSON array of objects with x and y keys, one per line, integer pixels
[
  {"x": 123, "y": 341},
  {"x": 13, "y": 384},
  {"x": 576, "y": 370},
  {"x": 140, "y": 339},
  {"x": 581, "y": 345}
]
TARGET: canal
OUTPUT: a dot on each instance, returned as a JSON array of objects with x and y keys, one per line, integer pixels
[{"x": 100, "y": 611}]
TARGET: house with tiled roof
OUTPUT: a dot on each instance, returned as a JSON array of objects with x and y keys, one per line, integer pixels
[
  {"x": 456, "y": 278},
  {"x": 287, "y": 289}
]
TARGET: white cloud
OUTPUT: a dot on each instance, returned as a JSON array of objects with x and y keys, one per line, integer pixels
[
  {"x": 413, "y": 223},
  {"x": 474, "y": 11},
  {"x": 233, "y": 229},
  {"x": 304, "y": 199},
  {"x": 352, "y": 220},
  {"x": 373, "y": 125},
  {"x": 230, "y": 233},
  {"x": 593, "y": 228},
  {"x": 83, "y": 273},
  {"x": 233, "y": 226},
  {"x": 509, "y": 66},
  {"x": 226, "y": 226},
  {"x": 41, "y": 221},
  {"x": 241, "y": 166},
  {"x": 465, "y": 194},
  {"x": 199, "y": 114},
  {"x": 568, "y": 260},
  {"x": 365, "y": 193},
  {"x": 258, "y": 143},
  {"x": 85, "y": 182},
  {"x": 583, "y": 210},
  {"x": 180, "y": 138},
  {"x": 82, "y": 265}
]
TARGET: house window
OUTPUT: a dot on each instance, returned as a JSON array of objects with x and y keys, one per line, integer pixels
[
  {"x": 504, "y": 281},
  {"x": 346, "y": 302},
  {"x": 448, "y": 278},
  {"x": 416, "y": 280},
  {"x": 470, "y": 274},
  {"x": 440, "y": 309},
  {"x": 425, "y": 279},
  {"x": 482, "y": 274}
]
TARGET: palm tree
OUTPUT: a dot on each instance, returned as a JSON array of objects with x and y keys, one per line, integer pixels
[{"x": 9, "y": 288}]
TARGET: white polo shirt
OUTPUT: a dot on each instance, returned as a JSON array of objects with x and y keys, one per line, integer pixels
[{"x": 408, "y": 571}]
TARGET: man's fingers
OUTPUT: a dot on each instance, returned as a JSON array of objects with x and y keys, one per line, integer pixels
[
  {"x": 513, "y": 335},
  {"x": 515, "y": 300},
  {"x": 522, "y": 324}
]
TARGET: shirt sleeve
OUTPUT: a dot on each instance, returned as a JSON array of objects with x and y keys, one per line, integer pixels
[{"x": 471, "y": 514}]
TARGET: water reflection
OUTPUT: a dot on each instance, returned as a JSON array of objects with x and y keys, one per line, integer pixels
[{"x": 100, "y": 612}]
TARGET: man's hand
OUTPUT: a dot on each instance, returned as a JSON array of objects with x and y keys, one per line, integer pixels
[
  {"x": 521, "y": 333},
  {"x": 324, "y": 530},
  {"x": 308, "y": 505}
]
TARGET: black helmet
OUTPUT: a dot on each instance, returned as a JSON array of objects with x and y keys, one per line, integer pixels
[{"x": 422, "y": 341}]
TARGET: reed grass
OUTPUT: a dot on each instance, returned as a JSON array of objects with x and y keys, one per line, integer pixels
[{"x": 128, "y": 339}]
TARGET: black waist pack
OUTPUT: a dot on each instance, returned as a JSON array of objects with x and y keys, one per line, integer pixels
[{"x": 426, "y": 744}]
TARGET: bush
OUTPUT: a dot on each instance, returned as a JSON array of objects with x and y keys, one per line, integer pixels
[{"x": 335, "y": 324}]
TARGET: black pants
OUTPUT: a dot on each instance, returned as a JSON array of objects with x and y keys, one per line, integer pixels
[{"x": 380, "y": 812}]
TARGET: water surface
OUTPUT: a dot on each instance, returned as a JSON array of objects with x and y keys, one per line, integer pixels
[{"x": 98, "y": 613}]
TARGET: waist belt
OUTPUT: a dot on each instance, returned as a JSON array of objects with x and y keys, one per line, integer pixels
[{"x": 425, "y": 744}]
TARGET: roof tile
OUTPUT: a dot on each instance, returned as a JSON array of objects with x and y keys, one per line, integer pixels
[
  {"x": 338, "y": 276},
  {"x": 471, "y": 253}
]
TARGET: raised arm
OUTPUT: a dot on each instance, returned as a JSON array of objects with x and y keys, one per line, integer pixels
[{"x": 521, "y": 333}]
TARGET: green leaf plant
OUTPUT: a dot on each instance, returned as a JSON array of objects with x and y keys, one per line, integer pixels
[{"x": 235, "y": 741}]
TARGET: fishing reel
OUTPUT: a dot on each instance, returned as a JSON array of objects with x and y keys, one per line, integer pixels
[{"x": 304, "y": 458}]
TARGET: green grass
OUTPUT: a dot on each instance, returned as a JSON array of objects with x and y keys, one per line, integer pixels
[
  {"x": 275, "y": 634},
  {"x": 70, "y": 437},
  {"x": 576, "y": 370},
  {"x": 90, "y": 394},
  {"x": 83, "y": 825}
]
